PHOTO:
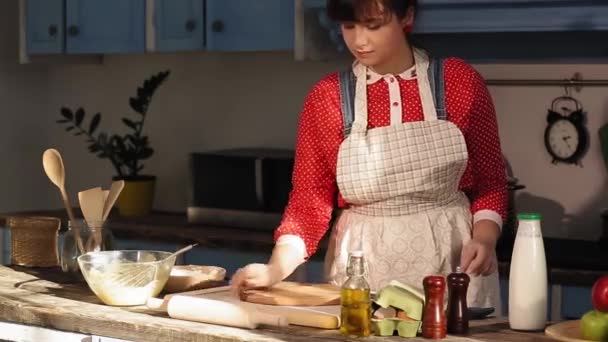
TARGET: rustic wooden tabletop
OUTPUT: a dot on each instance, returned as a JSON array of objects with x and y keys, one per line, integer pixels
[{"x": 50, "y": 299}]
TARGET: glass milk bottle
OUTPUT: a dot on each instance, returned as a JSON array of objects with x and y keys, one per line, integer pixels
[{"x": 528, "y": 276}]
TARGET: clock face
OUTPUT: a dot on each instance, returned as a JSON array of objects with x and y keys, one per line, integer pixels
[{"x": 563, "y": 139}]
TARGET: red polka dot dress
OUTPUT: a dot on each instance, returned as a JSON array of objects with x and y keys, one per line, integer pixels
[{"x": 320, "y": 133}]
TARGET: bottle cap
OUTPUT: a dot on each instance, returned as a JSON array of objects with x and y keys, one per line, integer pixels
[
  {"x": 458, "y": 269},
  {"x": 529, "y": 216}
]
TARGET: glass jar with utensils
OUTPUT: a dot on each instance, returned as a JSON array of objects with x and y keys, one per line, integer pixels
[{"x": 83, "y": 237}]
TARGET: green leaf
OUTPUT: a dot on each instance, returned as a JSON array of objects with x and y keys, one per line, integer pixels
[
  {"x": 94, "y": 123},
  {"x": 67, "y": 113},
  {"x": 133, "y": 141},
  {"x": 146, "y": 153},
  {"x": 130, "y": 123},
  {"x": 141, "y": 93},
  {"x": 102, "y": 139},
  {"x": 118, "y": 144},
  {"x": 94, "y": 148},
  {"x": 136, "y": 105},
  {"x": 69, "y": 128},
  {"x": 79, "y": 116}
]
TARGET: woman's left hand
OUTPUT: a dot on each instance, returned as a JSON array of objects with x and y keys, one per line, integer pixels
[{"x": 479, "y": 257}]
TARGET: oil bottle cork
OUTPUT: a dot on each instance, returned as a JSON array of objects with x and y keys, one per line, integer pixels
[
  {"x": 434, "y": 325},
  {"x": 458, "y": 311}
]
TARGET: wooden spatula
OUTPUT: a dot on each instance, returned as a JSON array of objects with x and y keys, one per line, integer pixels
[
  {"x": 112, "y": 196},
  {"x": 91, "y": 204}
]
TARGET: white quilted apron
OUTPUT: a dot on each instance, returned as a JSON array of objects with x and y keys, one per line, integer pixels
[{"x": 407, "y": 213}]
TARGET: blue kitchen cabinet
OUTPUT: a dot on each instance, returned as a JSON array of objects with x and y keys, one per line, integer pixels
[
  {"x": 44, "y": 26},
  {"x": 464, "y": 16},
  {"x": 488, "y": 31},
  {"x": 245, "y": 25},
  {"x": 576, "y": 301},
  {"x": 179, "y": 25},
  {"x": 229, "y": 259},
  {"x": 109, "y": 26},
  {"x": 450, "y": 16}
]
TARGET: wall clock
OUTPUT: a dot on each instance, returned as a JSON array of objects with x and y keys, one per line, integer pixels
[{"x": 566, "y": 136}]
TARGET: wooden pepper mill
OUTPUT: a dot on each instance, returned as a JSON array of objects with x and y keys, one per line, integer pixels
[
  {"x": 458, "y": 311},
  {"x": 434, "y": 325}
]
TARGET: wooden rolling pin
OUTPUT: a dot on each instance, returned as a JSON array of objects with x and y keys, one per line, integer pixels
[{"x": 228, "y": 313}]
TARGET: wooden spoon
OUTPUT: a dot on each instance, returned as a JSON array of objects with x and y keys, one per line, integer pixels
[{"x": 54, "y": 169}]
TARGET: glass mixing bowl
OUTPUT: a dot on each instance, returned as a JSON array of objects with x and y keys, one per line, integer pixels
[{"x": 126, "y": 278}]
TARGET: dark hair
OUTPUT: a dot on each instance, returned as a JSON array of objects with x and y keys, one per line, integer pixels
[{"x": 361, "y": 10}]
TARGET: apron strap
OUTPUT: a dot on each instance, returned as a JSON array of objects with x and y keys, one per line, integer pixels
[
  {"x": 438, "y": 87},
  {"x": 347, "y": 99},
  {"x": 347, "y": 93}
]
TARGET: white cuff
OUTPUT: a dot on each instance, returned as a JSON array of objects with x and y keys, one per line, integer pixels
[
  {"x": 295, "y": 242},
  {"x": 487, "y": 214}
]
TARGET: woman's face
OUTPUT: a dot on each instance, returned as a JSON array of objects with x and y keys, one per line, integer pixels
[{"x": 374, "y": 40}]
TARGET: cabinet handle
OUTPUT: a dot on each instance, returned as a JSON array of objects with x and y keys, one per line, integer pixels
[
  {"x": 190, "y": 25},
  {"x": 52, "y": 30},
  {"x": 73, "y": 30},
  {"x": 217, "y": 26}
]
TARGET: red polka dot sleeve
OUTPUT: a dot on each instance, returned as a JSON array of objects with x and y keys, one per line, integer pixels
[
  {"x": 320, "y": 132},
  {"x": 469, "y": 100},
  {"x": 312, "y": 199}
]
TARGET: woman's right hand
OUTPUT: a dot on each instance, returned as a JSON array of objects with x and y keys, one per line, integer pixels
[{"x": 255, "y": 276}]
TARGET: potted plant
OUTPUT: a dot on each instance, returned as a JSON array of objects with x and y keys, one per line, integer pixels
[{"x": 125, "y": 152}]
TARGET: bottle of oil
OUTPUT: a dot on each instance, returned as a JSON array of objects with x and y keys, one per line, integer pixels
[{"x": 355, "y": 299}]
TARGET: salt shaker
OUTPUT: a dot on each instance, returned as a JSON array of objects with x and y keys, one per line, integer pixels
[
  {"x": 458, "y": 311},
  {"x": 434, "y": 325},
  {"x": 528, "y": 276}
]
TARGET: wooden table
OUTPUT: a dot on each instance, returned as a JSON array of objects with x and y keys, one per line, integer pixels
[{"x": 47, "y": 301}]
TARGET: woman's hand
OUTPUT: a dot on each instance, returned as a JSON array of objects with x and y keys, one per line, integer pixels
[
  {"x": 478, "y": 258},
  {"x": 284, "y": 260},
  {"x": 254, "y": 276},
  {"x": 479, "y": 254}
]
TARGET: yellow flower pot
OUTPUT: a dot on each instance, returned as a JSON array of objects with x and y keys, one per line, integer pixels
[{"x": 137, "y": 197}]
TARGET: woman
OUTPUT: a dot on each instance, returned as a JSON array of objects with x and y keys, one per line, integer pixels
[{"x": 423, "y": 186}]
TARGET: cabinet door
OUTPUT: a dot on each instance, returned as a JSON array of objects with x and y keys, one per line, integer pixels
[
  {"x": 179, "y": 25},
  {"x": 246, "y": 25},
  {"x": 576, "y": 301},
  {"x": 450, "y": 16},
  {"x": 109, "y": 26},
  {"x": 44, "y": 26}
]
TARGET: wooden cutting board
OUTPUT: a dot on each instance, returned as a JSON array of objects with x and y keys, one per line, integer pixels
[
  {"x": 567, "y": 331},
  {"x": 294, "y": 294}
]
